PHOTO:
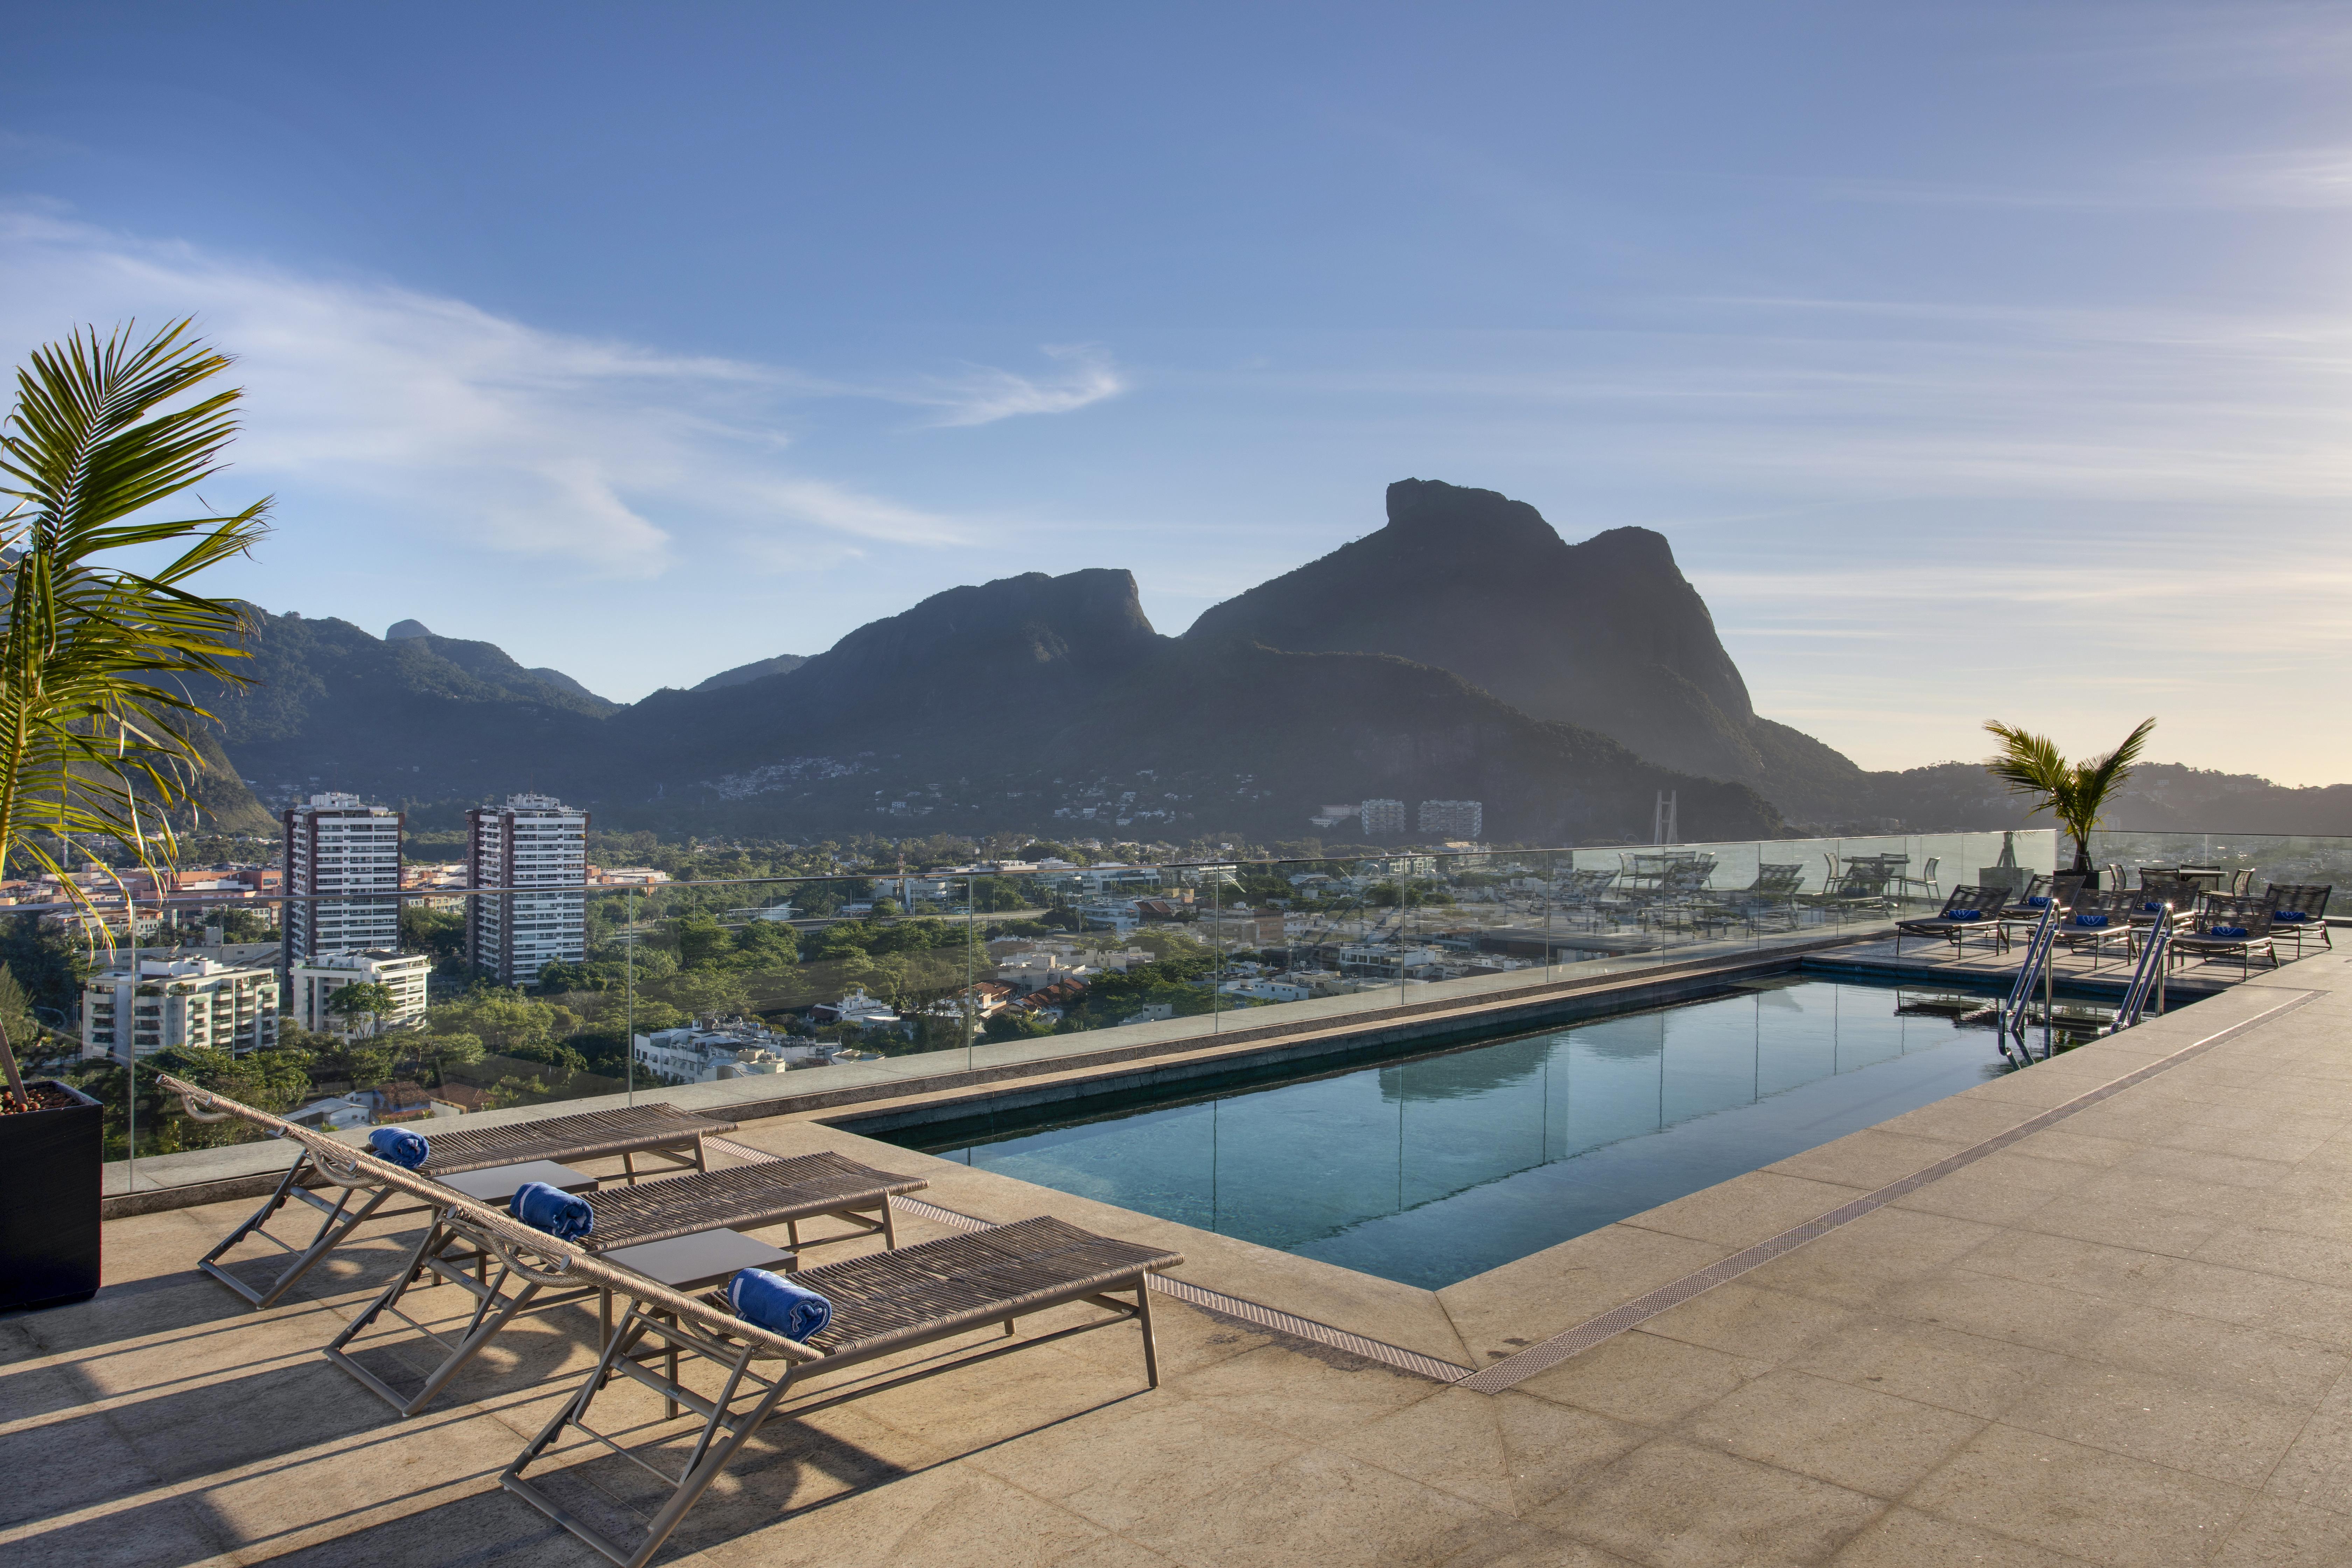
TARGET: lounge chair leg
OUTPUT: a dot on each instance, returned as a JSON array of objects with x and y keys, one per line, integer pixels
[
  {"x": 698, "y": 1478},
  {"x": 1143, "y": 1318},
  {"x": 889, "y": 1230}
]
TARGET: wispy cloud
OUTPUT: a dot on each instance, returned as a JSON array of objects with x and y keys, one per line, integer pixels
[
  {"x": 368, "y": 397},
  {"x": 983, "y": 394}
]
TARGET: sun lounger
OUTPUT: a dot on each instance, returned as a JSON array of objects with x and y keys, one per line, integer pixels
[
  {"x": 1966, "y": 912},
  {"x": 882, "y": 1304},
  {"x": 2065, "y": 888},
  {"x": 669, "y": 1136},
  {"x": 2095, "y": 920},
  {"x": 2227, "y": 925},
  {"x": 683, "y": 1231},
  {"x": 2300, "y": 912}
]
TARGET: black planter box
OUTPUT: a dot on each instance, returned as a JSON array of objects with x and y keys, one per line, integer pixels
[{"x": 50, "y": 1175}]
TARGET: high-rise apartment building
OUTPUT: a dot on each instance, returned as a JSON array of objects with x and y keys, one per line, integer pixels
[
  {"x": 1452, "y": 819},
  {"x": 1383, "y": 816},
  {"x": 335, "y": 845},
  {"x": 532, "y": 842}
]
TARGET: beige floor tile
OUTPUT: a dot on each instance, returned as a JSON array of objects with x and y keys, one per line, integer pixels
[
  {"x": 2118, "y": 1221},
  {"x": 1905, "y": 1538},
  {"x": 1854, "y": 1436},
  {"x": 1929, "y": 1364},
  {"x": 1522, "y": 1546},
  {"x": 2284, "y": 1369},
  {"x": 1959, "y": 1121},
  {"x": 1747, "y": 1209},
  {"x": 2317, "y": 1469},
  {"x": 2104, "y": 1508},
  {"x": 2322, "y": 1260},
  {"x": 1115, "y": 1469},
  {"x": 1869, "y": 1159},
  {"x": 1551, "y": 1447},
  {"x": 1644, "y": 1379},
  {"x": 2147, "y": 1415},
  {"x": 1855, "y": 1264},
  {"x": 1506, "y": 1309},
  {"x": 950, "y": 1514},
  {"x": 2277, "y": 1533},
  {"x": 1671, "y": 1505},
  {"x": 1312, "y": 1397},
  {"x": 1320, "y": 1508},
  {"x": 1741, "y": 1320},
  {"x": 2007, "y": 1188}
]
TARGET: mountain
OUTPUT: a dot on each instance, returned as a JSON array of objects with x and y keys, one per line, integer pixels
[
  {"x": 417, "y": 717},
  {"x": 1606, "y": 635},
  {"x": 1017, "y": 701},
  {"x": 782, "y": 664}
]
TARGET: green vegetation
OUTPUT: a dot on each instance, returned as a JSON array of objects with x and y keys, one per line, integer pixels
[
  {"x": 96, "y": 740},
  {"x": 2074, "y": 793}
]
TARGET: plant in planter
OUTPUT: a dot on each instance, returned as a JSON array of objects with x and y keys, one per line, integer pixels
[
  {"x": 94, "y": 728},
  {"x": 2074, "y": 793}
]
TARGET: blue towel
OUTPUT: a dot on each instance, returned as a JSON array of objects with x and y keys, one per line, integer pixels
[
  {"x": 2091, "y": 922},
  {"x": 2290, "y": 917},
  {"x": 2228, "y": 934},
  {"x": 564, "y": 1215},
  {"x": 778, "y": 1305},
  {"x": 1964, "y": 914},
  {"x": 2037, "y": 902},
  {"x": 407, "y": 1150},
  {"x": 2151, "y": 908}
]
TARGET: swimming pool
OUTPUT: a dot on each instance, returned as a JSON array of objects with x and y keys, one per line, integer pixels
[{"x": 1431, "y": 1169}]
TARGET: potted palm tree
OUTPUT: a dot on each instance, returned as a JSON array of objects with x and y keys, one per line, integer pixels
[
  {"x": 2074, "y": 793},
  {"x": 93, "y": 734}
]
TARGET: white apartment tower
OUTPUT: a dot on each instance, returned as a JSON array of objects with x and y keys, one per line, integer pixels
[
  {"x": 336, "y": 844},
  {"x": 532, "y": 841},
  {"x": 1452, "y": 819},
  {"x": 1382, "y": 817}
]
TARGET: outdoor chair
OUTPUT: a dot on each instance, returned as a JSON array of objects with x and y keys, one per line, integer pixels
[
  {"x": 684, "y": 1232},
  {"x": 2241, "y": 882},
  {"x": 2155, "y": 895},
  {"x": 664, "y": 1132},
  {"x": 1861, "y": 886},
  {"x": 2096, "y": 919},
  {"x": 1774, "y": 891},
  {"x": 2063, "y": 889},
  {"x": 2227, "y": 925},
  {"x": 2300, "y": 912},
  {"x": 883, "y": 1304},
  {"x": 1925, "y": 881},
  {"x": 1968, "y": 912}
]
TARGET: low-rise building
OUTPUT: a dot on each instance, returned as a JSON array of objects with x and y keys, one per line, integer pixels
[
  {"x": 191, "y": 1002},
  {"x": 311, "y": 982},
  {"x": 729, "y": 1048}
]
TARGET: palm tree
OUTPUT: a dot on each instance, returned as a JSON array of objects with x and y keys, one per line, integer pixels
[
  {"x": 2074, "y": 793},
  {"x": 93, "y": 726}
]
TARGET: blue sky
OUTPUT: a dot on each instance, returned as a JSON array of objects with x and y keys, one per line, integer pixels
[{"x": 1978, "y": 361}]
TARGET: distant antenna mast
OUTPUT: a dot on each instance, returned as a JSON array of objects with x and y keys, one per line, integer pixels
[{"x": 1664, "y": 829}]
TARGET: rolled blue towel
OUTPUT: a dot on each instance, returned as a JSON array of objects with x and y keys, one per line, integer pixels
[
  {"x": 407, "y": 1150},
  {"x": 2038, "y": 901},
  {"x": 1964, "y": 914},
  {"x": 2091, "y": 922},
  {"x": 2228, "y": 934},
  {"x": 778, "y": 1305},
  {"x": 564, "y": 1215},
  {"x": 2291, "y": 916},
  {"x": 2151, "y": 908}
]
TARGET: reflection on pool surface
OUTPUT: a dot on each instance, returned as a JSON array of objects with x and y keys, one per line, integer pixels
[{"x": 1433, "y": 1169}]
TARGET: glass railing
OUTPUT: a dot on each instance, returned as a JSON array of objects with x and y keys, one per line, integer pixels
[
  {"x": 783, "y": 986},
  {"x": 2254, "y": 860}
]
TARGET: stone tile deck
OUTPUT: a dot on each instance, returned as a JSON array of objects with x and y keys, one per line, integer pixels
[{"x": 2122, "y": 1340}]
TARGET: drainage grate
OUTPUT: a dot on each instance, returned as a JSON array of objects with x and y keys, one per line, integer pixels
[{"x": 1513, "y": 1370}]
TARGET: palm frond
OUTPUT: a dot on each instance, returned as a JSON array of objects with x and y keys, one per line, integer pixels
[{"x": 2074, "y": 793}]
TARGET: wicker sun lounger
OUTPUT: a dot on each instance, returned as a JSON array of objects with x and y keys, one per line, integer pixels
[
  {"x": 2096, "y": 920},
  {"x": 669, "y": 1135},
  {"x": 1966, "y": 912},
  {"x": 883, "y": 1303},
  {"x": 630, "y": 1225}
]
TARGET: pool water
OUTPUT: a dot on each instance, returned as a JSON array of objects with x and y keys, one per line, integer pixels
[{"x": 1431, "y": 1169}]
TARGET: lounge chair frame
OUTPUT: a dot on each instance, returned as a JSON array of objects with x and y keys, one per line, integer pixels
[
  {"x": 2114, "y": 904},
  {"x": 2303, "y": 898},
  {"x": 663, "y": 1132},
  {"x": 1991, "y": 902},
  {"x": 981, "y": 1281},
  {"x": 505, "y": 1287},
  {"x": 2253, "y": 914}
]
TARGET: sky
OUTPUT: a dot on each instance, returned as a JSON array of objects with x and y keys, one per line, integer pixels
[{"x": 1986, "y": 360}]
